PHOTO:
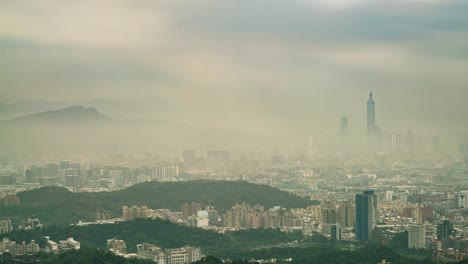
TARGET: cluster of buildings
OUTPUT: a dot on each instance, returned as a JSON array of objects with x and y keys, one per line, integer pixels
[
  {"x": 102, "y": 215},
  {"x": 191, "y": 209},
  {"x": 240, "y": 216},
  {"x": 183, "y": 255},
  {"x": 130, "y": 213},
  {"x": 62, "y": 245},
  {"x": 78, "y": 177},
  {"x": 17, "y": 223},
  {"x": 392, "y": 188},
  {"x": 11, "y": 247},
  {"x": 243, "y": 216},
  {"x": 194, "y": 216}
]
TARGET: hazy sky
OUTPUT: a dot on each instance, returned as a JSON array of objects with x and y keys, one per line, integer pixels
[{"x": 295, "y": 64}]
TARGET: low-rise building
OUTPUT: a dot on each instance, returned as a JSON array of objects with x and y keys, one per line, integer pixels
[
  {"x": 117, "y": 246},
  {"x": 181, "y": 255},
  {"x": 70, "y": 243}
]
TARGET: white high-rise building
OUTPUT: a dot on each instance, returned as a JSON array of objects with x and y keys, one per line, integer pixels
[
  {"x": 417, "y": 236},
  {"x": 202, "y": 219}
]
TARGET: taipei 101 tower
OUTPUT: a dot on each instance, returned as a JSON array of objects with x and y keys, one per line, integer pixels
[
  {"x": 371, "y": 116},
  {"x": 373, "y": 131}
]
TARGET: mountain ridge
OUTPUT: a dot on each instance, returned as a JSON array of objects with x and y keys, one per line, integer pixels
[{"x": 70, "y": 113}]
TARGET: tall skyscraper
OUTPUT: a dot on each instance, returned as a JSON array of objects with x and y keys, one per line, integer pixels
[
  {"x": 373, "y": 131},
  {"x": 370, "y": 115},
  {"x": 366, "y": 215}
]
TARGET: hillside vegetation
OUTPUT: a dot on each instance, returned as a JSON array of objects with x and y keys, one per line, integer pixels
[
  {"x": 55, "y": 205},
  {"x": 246, "y": 244},
  {"x": 162, "y": 233}
]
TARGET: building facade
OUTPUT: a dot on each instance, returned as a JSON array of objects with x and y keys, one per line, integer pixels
[
  {"x": 366, "y": 211},
  {"x": 417, "y": 236}
]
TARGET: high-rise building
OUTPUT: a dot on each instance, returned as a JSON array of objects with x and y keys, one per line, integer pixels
[
  {"x": 335, "y": 232},
  {"x": 366, "y": 211},
  {"x": 102, "y": 215},
  {"x": 417, "y": 236},
  {"x": 130, "y": 213},
  {"x": 329, "y": 211},
  {"x": 444, "y": 229},
  {"x": 373, "y": 131},
  {"x": 346, "y": 215},
  {"x": 191, "y": 209}
]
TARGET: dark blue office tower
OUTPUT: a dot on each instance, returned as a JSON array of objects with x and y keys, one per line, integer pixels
[{"x": 366, "y": 211}]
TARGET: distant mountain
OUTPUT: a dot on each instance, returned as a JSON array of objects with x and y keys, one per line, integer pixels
[
  {"x": 82, "y": 129},
  {"x": 79, "y": 129},
  {"x": 22, "y": 108},
  {"x": 68, "y": 114}
]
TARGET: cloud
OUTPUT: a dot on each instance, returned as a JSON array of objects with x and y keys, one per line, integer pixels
[{"x": 265, "y": 64}]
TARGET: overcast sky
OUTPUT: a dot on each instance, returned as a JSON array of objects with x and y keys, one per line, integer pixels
[{"x": 289, "y": 64}]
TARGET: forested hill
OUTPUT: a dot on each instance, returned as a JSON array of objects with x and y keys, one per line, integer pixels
[
  {"x": 242, "y": 244},
  {"x": 162, "y": 233},
  {"x": 54, "y": 205}
]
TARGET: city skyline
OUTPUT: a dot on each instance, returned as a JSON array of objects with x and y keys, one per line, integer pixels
[
  {"x": 246, "y": 131},
  {"x": 342, "y": 139},
  {"x": 265, "y": 68}
]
